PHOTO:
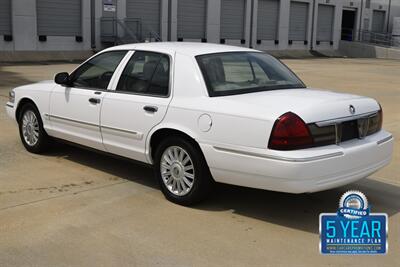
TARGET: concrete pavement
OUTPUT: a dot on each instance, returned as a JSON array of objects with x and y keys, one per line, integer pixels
[{"x": 73, "y": 207}]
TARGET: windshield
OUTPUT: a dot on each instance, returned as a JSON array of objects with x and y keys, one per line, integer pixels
[{"x": 245, "y": 72}]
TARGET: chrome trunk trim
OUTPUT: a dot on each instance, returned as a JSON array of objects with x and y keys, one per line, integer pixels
[{"x": 343, "y": 119}]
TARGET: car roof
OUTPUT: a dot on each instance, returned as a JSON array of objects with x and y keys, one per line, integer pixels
[{"x": 187, "y": 48}]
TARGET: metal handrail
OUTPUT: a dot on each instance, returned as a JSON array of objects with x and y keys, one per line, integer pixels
[
  {"x": 127, "y": 30},
  {"x": 129, "y": 35},
  {"x": 377, "y": 38}
]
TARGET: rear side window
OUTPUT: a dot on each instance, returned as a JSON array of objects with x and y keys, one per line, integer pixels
[
  {"x": 97, "y": 72},
  {"x": 146, "y": 73}
]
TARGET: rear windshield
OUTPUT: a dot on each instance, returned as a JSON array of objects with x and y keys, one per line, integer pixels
[{"x": 245, "y": 72}]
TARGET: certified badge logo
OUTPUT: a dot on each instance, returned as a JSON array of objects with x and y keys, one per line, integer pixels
[
  {"x": 353, "y": 205},
  {"x": 353, "y": 229}
]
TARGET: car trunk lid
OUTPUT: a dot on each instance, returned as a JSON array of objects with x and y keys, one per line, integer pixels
[{"x": 312, "y": 105}]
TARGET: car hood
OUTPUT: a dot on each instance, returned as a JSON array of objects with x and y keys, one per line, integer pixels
[{"x": 311, "y": 105}]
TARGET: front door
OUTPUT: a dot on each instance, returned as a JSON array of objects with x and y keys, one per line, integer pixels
[
  {"x": 75, "y": 109},
  {"x": 139, "y": 103}
]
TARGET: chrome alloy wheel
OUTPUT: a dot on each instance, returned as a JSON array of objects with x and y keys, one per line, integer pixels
[
  {"x": 177, "y": 170},
  {"x": 30, "y": 128}
]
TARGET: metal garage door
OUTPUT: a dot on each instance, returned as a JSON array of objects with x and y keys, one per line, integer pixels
[
  {"x": 5, "y": 17},
  {"x": 378, "y": 21},
  {"x": 192, "y": 19},
  {"x": 232, "y": 19},
  {"x": 147, "y": 12},
  {"x": 59, "y": 17},
  {"x": 326, "y": 15},
  {"x": 298, "y": 21},
  {"x": 267, "y": 19}
]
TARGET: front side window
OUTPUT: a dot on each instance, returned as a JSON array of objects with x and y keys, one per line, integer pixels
[
  {"x": 245, "y": 72},
  {"x": 97, "y": 72},
  {"x": 146, "y": 73}
]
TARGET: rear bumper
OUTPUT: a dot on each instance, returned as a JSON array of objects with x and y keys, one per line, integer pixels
[
  {"x": 301, "y": 171},
  {"x": 10, "y": 109}
]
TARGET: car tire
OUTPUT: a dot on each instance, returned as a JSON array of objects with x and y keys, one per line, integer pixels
[
  {"x": 33, "y": 136},
  {"x": 182, "y": 171}
]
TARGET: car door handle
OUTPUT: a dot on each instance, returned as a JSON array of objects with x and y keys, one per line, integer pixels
[
  {"x": 150, "y": 109},
  {"x": 94, "y": 100}
]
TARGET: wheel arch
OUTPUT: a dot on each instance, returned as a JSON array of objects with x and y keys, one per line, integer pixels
[
  {"x": 157, "y": 135},
  {"x": 23, "y": 101}
]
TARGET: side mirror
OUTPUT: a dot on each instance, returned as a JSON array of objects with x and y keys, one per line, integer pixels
[{"x": 62, "y": 78}]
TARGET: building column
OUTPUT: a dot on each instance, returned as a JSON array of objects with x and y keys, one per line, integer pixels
[
  {"x": 247, "y": 23},
  {"x": 213, "y": 27},
  {"x": 164, "y": 20},
  {"x": 283, "y": 30},
  {"x": 86, "y": 25},
  {"x": 121, "y": 15},
  {"x": 121, "y": 9},
  {"x": 337, "y": 24},
  {"x": 173, "y": 20},
  {"x": 253, "y": 40}
]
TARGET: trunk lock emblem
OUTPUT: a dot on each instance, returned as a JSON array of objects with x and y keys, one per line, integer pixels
[{"x": 352, "y": 109}]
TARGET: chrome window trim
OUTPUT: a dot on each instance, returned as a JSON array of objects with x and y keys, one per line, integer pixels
[{"x": 287, "y": 159}]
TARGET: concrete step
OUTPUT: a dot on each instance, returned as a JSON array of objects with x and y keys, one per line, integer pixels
[{"x": 363, "y": 50}]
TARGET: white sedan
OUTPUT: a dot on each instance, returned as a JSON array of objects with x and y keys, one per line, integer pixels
[{"x": 201, "y": 113}]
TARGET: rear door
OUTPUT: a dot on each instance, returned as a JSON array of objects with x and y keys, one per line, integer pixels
[{"x": 138, "y": 102}]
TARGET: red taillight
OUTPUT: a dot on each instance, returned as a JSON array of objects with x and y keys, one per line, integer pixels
[
  {"x": 290, "y": 132},
  {"x": 380, "y": 114}
]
